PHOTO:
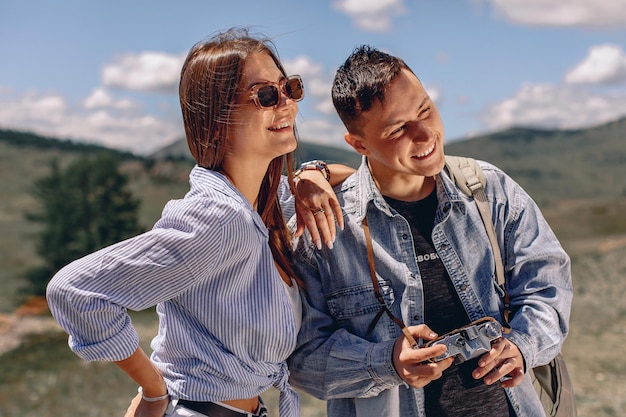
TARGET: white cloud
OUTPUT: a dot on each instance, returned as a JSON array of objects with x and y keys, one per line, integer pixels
[
  {"x": 304, "y": 66},
  {"x": 605, "y": 64},
  {"x": 434, "y": 93},
  {"x": 98, "y": 98},
  {"x": 584, "y": 13},
  {"x": 317, "y": 121},
  {"x": 326, "y": 107},
  {"x": 108, "y": 118},
  {"x": 33, "y": 109},
  {"x": 51, "y": 115},
  {"x": 326, "y": 131},
  {"x": 141, "y": 134},
  {"x": 561, "y": 107},
  {"x": 371, "y": 15},
  {"x": 316, "y": 82},
  {"x": 103, "y": 118},
  {"x": 101, "y": 99},
  {"x": 146, "y": 71},
  {"x": 126, "y": 104}
]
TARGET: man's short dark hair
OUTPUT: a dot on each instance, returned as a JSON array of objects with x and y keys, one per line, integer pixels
[{"x": 361, "y": 79}]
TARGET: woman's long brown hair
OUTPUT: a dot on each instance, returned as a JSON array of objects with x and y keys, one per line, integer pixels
[{"x": 209, "y": 83}]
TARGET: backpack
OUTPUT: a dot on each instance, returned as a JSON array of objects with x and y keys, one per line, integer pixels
[{"x": 551, "y": 381}]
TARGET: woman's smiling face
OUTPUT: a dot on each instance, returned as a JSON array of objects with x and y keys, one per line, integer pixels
[{"x": 265, "y": 132}]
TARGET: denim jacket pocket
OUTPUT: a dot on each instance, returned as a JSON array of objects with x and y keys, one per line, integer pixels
[{"x": 356, "y": 307}]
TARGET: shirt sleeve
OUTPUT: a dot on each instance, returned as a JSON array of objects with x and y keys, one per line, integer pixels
[
  {"x": 286, "y": 199},
  {"x": 90, "y": 296}
]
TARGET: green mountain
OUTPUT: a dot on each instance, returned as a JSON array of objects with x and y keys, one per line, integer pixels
[
  {"x": 557, "y": 164},
  {"x": 576, "y": 176},
  {"x": 549, "y": 164},
  {"x": 307, "y": 151},
  {"x": 554, "y": 166},
  {"x": 32, "y": 141}
]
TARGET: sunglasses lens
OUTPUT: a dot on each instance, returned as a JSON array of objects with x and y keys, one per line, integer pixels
[
  {"x": 268, "y": 96},
  {"x": 295, "y": 89}
]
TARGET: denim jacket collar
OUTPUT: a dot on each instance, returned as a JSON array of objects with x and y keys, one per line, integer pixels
[{"x": 364, "y": 190}]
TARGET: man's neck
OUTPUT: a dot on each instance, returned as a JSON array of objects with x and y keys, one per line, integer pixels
[{"x": 404, "y": 187}]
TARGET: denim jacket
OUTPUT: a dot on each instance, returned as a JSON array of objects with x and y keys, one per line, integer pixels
[{"x": 336, "y": 360}]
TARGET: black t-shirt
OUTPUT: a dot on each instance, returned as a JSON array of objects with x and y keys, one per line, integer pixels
[{"x": 456, "y": 393}]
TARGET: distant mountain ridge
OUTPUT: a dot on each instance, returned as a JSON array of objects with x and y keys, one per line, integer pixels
[
  {"x": 306, "y": 152},
  {"x": 557, "y": 164},
  {"x": 549, "y": 164},
  {"x": 24, "y": 139},
  {"x": 577, "y": 177}
]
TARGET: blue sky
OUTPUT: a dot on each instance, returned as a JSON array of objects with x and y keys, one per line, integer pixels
[{"x": 106, "y": 72}]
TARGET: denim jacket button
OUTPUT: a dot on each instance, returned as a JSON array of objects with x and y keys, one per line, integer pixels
[
  {"x": 405, "y": 236},
  {"x": 464, "y": 287},
  {"x": 416, "y": 317}
]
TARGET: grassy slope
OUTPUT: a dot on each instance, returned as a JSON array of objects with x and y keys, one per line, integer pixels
[
  {"x": 591, "y": 227},
  {"x": 557, "y": 164}
]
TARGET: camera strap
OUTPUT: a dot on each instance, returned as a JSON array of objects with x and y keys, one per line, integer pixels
[{"x": 378, "y": 294}]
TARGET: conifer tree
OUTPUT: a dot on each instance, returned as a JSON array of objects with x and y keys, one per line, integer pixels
[{"x": 84, "y": 207}]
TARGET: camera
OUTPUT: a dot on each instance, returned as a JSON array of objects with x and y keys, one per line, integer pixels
[{"x": 469, "y": 341}]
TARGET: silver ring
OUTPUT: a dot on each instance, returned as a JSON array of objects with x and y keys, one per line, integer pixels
[{"x": 321, "y": 210}]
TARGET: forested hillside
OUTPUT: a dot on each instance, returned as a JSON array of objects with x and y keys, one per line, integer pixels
[{"x": 578, "y": 177}]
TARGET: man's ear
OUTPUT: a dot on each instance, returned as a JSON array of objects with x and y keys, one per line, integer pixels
[{"x": 356, "y": 142}]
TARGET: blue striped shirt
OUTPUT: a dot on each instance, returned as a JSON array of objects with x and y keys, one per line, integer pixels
[{"x": 226, "y": 325}]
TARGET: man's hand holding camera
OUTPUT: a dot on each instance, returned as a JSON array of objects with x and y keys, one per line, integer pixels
[
  {"x": 414, "y": 366},
  {"x": 503, "y": 362},
  {"x": 418, "y": 367}
]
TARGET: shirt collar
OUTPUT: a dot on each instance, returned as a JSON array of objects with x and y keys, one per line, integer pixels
[
  {"x": 363, "y": 191},
  {"x": 203, "y": 178}
]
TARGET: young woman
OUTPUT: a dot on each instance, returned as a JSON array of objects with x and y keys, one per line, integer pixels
[{"x": 217, "y": 264}]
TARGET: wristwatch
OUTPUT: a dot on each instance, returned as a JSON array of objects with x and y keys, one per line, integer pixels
[{"x": 316, "y": 164}]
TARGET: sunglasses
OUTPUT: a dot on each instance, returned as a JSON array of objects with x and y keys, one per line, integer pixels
[{"x": 268, "y": 94}]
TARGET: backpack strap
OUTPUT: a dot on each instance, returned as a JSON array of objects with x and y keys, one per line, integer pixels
[
  {"x": 466, "y": 174},
  {"x": 551, "y": 381},
  {"x": 470, "y": 179}
]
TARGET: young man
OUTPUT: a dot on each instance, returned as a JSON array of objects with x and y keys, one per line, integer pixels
[{"x": 434, "y": 267}]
